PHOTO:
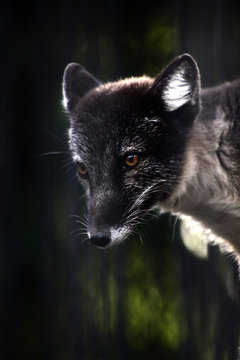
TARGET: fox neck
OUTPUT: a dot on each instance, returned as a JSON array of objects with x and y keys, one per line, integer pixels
[{"x": 206, "y": 192}]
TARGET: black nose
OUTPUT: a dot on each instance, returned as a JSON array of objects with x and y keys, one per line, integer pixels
[{"x": 100, "y": 240}]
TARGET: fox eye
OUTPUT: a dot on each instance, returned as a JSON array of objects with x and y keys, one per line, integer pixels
[
  {"x": 132, "y": 160},
  {"x": 81, "y": 168}
]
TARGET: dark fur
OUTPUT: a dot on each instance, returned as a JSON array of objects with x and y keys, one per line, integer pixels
[{"x": 143, "y": 116}]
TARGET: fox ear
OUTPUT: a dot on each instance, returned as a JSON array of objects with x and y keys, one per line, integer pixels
[
  {"x": 76, "y": 83},
  {"x": 178, "y": 84}
]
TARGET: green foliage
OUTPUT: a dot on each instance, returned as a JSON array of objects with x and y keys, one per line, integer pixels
[{"x": 153, "y": 301}]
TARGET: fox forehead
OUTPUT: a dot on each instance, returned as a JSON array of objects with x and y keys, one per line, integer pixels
[
  {"x": 118, "y": 123},
  {"x": 110, "y": 101}
]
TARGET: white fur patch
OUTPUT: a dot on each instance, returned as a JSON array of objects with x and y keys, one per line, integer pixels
[
  {"x": 118, "y": 234},
  {"x": 76, "y": 158},
  {"x": 64, "y": 99},
  {"x": 70, "y": 134},
  {"x": 156, "y": 120},
  {"x": 196, "y": 238},
  {"x": 177, "y": 91}
]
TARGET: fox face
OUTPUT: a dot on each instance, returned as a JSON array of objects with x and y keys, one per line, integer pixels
[{"x": 128, "y": 139}]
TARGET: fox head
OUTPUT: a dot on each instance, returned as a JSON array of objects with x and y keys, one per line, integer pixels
[{"x": 128, "y": 139}]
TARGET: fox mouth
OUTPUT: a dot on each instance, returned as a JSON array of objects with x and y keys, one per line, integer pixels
[
  {"x": 106, "y": 238},
  {"x": 117, "y": 234}
]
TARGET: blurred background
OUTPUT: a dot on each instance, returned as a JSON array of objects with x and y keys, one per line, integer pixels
[{"x": 60, "y": 298}]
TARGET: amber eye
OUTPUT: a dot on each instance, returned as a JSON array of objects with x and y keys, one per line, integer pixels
[
  {"x": 132, "y": 160},
  {"x": 81, "y": 168}
]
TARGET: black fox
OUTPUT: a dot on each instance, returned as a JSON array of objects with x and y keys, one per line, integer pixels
[{"x": 144, "y": 143}]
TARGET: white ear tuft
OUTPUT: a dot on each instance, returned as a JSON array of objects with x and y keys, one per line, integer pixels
[{"x": 177, "y": 91}]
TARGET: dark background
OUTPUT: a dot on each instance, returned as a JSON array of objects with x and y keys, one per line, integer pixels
[{"x": 60, "y": 298}]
